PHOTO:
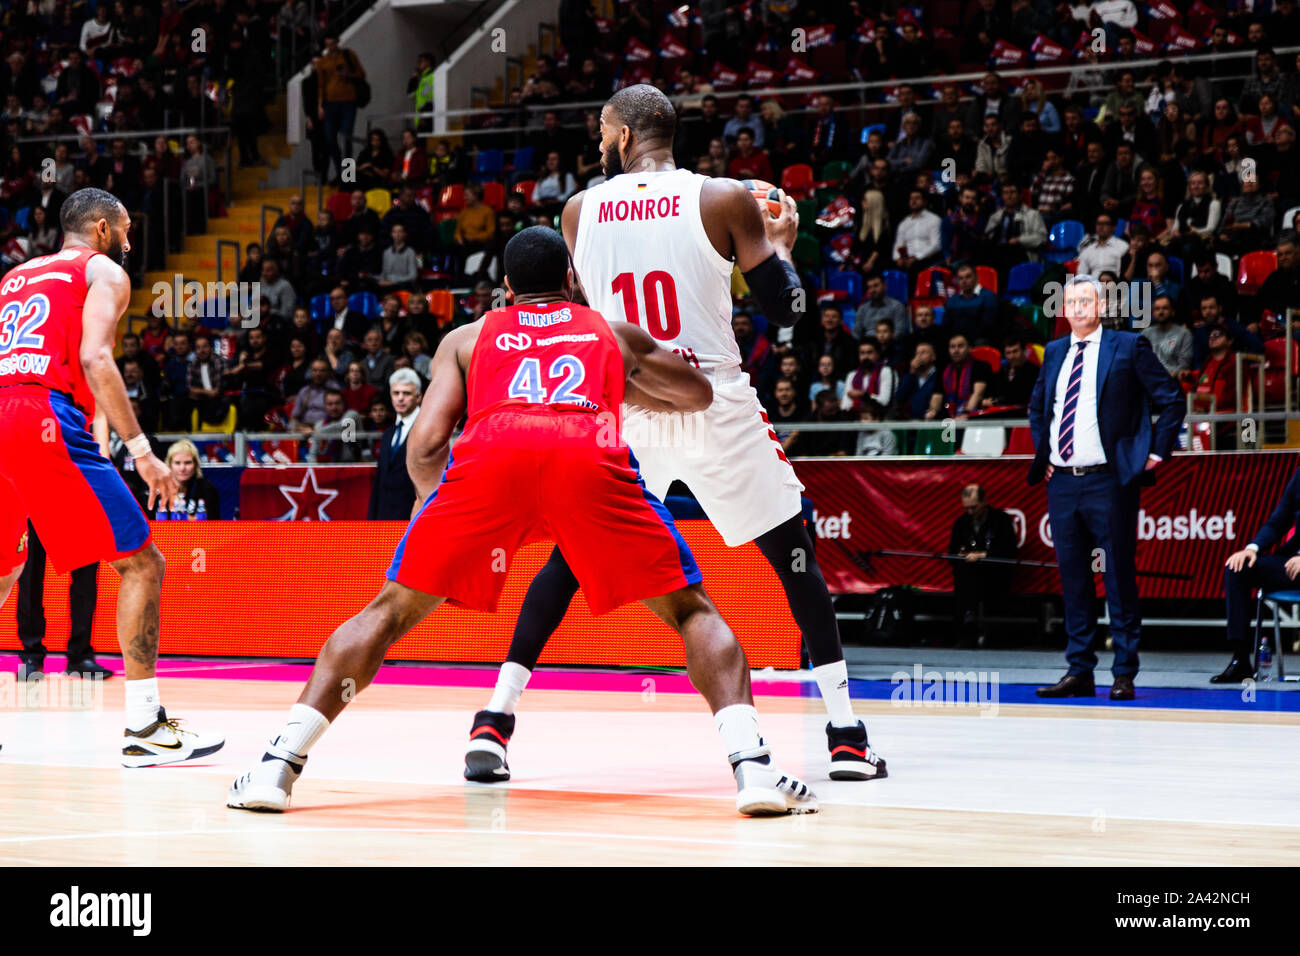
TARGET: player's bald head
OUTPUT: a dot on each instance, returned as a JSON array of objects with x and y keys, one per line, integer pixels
[
  {"x": 85, "y": 207},
  {"x": 645, "y": 111}
]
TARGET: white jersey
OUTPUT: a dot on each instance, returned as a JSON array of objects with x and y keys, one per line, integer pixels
[{"x": 643, "y": 257}]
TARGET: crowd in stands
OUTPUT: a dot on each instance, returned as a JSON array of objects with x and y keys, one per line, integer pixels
[{"x": 935, "y": 216}]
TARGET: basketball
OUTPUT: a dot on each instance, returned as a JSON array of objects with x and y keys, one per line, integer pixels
[{"x": 766, "y": 195}]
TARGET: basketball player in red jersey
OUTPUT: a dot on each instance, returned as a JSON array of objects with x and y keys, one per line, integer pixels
[
  {"x": 58, "y": 320},
  {"x": 541, "y": 383},
  {"x": 655, "y": 246}
]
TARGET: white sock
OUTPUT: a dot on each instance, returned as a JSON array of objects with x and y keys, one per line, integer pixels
[
  {"x": 305, "y": 727},
  {"x": 833, "y": 682},
  {"x": 511, "y": 681},
  {"x": 142, "y": 703},
  {"x": 738, "y": 725}
]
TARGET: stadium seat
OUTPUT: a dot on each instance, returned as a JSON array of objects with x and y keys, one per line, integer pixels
[
  {"x": 988, "y": 354},
  {"x": 1036, "y": 354},
  {"x": 895, "y": 284},
  {"x": 447, "y": 232},
  {"x": 1020, "y": 441},
  {"x": 848, "y": 282},
  {"x": 988, "y": 442},
  {"x": 403, "y": 296},
  {"x": 522, "y": 160},
  {"x": 1255, "y": 267},
  {"x": 807, "y": 252},
  {"x": 367, "y": 303},
  {"x": 938, "y": 314},
  {"x": 873, "y": 128},
  {"x": 926, "y": 282},
  {"x": 931, "y": 442},
  {"x": 797, "y": 180},
  {"x": 836, "y": 171},
  {"x": 1176, "y": 269},
  {"x": 442, "y": 306},
  {"x": 340, "y": 204},
  {"x": 494, "y": 195},
  {"x": 1021, "y": 278},
  {"x": 988, "y": 278},
  {"x": 226, "y": 425},
  {"x": 1121, "y": 227},
  {"x": 452, "y": 197},
  {"x": 320, "y": 307},
  {"x": 1071, "y": 266},
  {"x": 526, "y": 187},
  {"x": 1063, "y": 240},
  {"x": 425, "y": 199},
  {"x": 23, "y": 218},
  {"x": 1275, "y": 369},
  {"x": 1223, "y": 265},
  {"x": 488, "y": 165},
  {"x": 380, "y": 200},
  {"x": 1288, "y": 218},
  {"x": 808, "y": 210}
]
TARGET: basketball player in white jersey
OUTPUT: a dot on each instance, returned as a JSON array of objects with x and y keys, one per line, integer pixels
[{"x": 654, "y": 245}]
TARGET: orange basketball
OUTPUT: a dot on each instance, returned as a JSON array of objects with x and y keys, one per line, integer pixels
[{"x": 765, "y": 194}]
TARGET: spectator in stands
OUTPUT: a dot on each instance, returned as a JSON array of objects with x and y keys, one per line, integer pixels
[
  {"x": 339, "y": 73},
  {"x": 993, "y": 151},
  {"x": 206, "y": 378},
  {"x": 139, "y": 391},
  {"x": 410, "y": 167},
  {"x": 415, "y": 347},
  {"x": 1281, "y": 290},
  {"x": 1171, "y": 342},
  {"x": 872, "y": 379},
  {"x": 77, "y": 88},
  {"x": 400, "y": 263},
  {"x": 834, "y": 340},
  {"x": 362, "y": 217},
  {"x": 185, "y": 464},
  {"x": 1249, "y": 221},
  {"x": 309, "y": 405},
  {"x": 965, "y": 381},
  {"x": 825, "y": 444},
  {"x": 1148, "y": 205},
  {"x": 376, "y": 360},
  {"x": 1028, "y": 149},
  {"x": 912, "y": 152},
  {"x": 336, "y": 353},
  {"x": 1018, "y": 230},
  {"x": 334, "y": 437},
  {"x": 826, "y": 380},
  {"x": 1267, "y": 81},
  {"x": 1195, "y": 221},
  {"x": 322, "y": 257},
  {"x": 253, "y": 370},
  {"x": 1053, "y": 188},
  {"x": 917, "y": 241},
  {"x": 1215, "y": 132},
  {"x": 475, "y": 224},
  {"x": 1217, "y": 379},
  {"x": 916, "y": 391},
  {"x": 890, "y": 351},
  {"x": 361, "y": 264},
  {"x": 829, "y": 136},
  {"x": 391, "y": 324},
  {"x": 392, "y": 494},
  {"x": 1033, "y": 99},
  {"x": 1120, "y": 188},
  {"x": 973, "y": 309},
  {"x": 199, "y": 179},
  {"x": 871, "y": 242},
  {"x": 1104, "y": 251},
  {"x": 553, "y": 189},
  {"x": 45, "y": 236},
  {"x": 1076, "y": 135},
  {"x": 1158, "y": 274},
  {"x": 754, "y": 348},
  {"x": 986, "y": 23},
  {"x": 784, "y": 410},
  {"x": 1207, "y": 281},
  {"x": 1140, "y": 246},
  {"x": 588, "y": 168},
  {"x": 302, "y": 324},
  {"x": 747, "y": 162},
  {"x": 133, "y": 350},
  {"x": 297, "y": 369},
  {"x": 993, "y": 100},
  {"x": 955, "y": 152},
  {"x": 1264, "y": 127},
  {"x": 1014, "y": 382},
  {"x": 981, "y": 532},
  {"x": 967, "y": 222},
  {"x": 278, "y": 290},
  {"x": 873, "y": 442},
  {"x": 744, "y": 117},
  {"x": 351, "y": 323},
  {"x": 375, "y": 162},
  {"x": 175, "y": 384},
  {"x": 413, "y": 218},
  {"x": 357, "y": 392}
]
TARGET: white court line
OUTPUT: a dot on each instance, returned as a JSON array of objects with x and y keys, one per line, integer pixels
[{"x": 443, "y": 831}]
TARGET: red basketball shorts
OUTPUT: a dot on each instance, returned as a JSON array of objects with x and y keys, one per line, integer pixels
[{"x": 521, "y": 475}]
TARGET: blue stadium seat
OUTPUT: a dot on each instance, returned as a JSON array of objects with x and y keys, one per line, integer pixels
[
  {"x": 1021, "y": 279},
  {"x": 760, "y": 323},
  {"x": 1176, "y": 269},
  {"x": 938, "y": 314},
  {"x": 367, "y": 303},
  {"x": 320, "y": 307},
  {"x": 1121, "y": 227},
  {"x": 1063, "y": 239},
  {"x": 216, "y": 314},
  {"x": 23, "y": 218},
  {"x": 523, "y": 159},
  {"x": 488, "y": 165},
  {"x": 874, "y": 128},
  {"x": 895, "y": 284},
  {"x": 849, "y": 282}
]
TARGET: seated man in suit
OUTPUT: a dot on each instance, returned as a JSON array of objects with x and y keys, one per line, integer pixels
[
  {"x": 1090, "y": 417},
  {"x": 392, "y": 496},
  {"x": 1251, "y": 568}
]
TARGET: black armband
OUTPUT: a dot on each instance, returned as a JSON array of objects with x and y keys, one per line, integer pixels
[{"x": 776, "y": 286}]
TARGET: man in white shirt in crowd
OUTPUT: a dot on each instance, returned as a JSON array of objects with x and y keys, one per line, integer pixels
[
  {"x": 1103, "y": 252},
  {"x": 917, "y": 241}
]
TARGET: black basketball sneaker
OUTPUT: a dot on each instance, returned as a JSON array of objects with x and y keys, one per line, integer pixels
[
  {"x": 485, "y": 758},
  {"x": 851, "y": 756}
]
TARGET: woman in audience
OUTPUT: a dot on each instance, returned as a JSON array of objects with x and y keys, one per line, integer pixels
[
  {"x": 411, "y": 167},
  {"x": 294, "y": 375},
  {"x": 826, "y": 380},
  {"x": 1033, "y": 99},
  {"x": 1173, "y": 131},
  {"x": 555, "y": 187},
  {"x": 45, "y": 236},
  {"x": 1148, "y": 208},
  {"x": 375, "y": 162},
  {"x": 1263, "y": 128},
  {"x": 872, "y": 242},
  {"x": 357, "y": 392},
  {"x": 416, "y": 348},
  {"x": 1222, "y": 124},
  {"x": 198, "y": 497}
]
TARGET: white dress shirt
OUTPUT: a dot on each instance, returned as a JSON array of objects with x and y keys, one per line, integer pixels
[
  {"x": 920, "y": 233},
  {"x": 1087, "y": 434},
  {"x": 405, "y": 422},
  {"x": 1098, "y": 257}
]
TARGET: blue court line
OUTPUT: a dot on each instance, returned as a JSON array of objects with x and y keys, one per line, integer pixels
[{"x": 1178, "y": 698}]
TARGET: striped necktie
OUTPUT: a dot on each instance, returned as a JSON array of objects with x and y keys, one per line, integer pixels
[{"x": 1065, "y": 441}]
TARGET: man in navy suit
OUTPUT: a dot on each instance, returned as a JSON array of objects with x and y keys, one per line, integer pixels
[
  {"x": 392, "y": 495},
  {"x": 1251, "y": 568},
  {"x": 1090, "y": 415}
]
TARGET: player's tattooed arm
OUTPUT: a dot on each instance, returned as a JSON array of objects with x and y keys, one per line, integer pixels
[
  {"x": 442, "y": 407},
  {"x": 658, "y": 379}
]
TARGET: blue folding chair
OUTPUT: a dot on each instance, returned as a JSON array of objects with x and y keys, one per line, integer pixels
[
  {"x": 367, "y": 303},
  {"x": 1276, "y": 599},
  {"x": 848, "y": 282},
  {"x": 488, "y": 165},
  {"x": 895, "y": 284}
]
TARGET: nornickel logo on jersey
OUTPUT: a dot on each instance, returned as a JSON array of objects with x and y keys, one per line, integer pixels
[
  {"x": 541, "y": 320},
  {"x": 507, "y": 341}
]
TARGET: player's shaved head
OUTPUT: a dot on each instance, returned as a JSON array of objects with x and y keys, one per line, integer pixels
[
  {"x": 85, "y": 207},
  {"x": 646, "y": 112},
  {"x": 537, "y": 261}
]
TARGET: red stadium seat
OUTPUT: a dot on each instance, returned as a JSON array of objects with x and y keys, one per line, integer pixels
[
  {"x": 988, "y": 277},
  {"x": 925, "y": 279},
  {"x": 453, "y": 198},
  {"x": 1275, "y": 369},
  {"x": 526, "y": 186},
  {"x": 797, "y": 180},
  {"x": 1020, "y": 442},
  {"x": 1072, "y": 266},
  {"x": 1254, "y": 269},
  {"x": 340, "y": 204},
  {"x": 987, "y": 353},
  {"x": 494, "y": 195}
]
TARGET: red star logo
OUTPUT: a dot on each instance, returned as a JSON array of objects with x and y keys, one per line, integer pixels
[{"x": 307, "y": 503}]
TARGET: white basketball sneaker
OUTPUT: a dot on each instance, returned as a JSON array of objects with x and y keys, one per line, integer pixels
[
  {"x": 164, "y": 742},
  {"x": 763, "y": 790},
  {"x": 268, "y": 786}
]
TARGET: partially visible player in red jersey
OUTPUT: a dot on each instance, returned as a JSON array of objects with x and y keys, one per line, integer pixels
[
  {"x": 542, "y": 383},
  {"x": 58, "y": 320}
]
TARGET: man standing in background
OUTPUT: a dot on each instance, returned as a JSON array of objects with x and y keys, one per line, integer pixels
[{"x": 392, "y": 495}]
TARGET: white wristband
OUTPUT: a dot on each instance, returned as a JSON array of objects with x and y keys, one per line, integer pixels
[{"x": 139, "y": 446}]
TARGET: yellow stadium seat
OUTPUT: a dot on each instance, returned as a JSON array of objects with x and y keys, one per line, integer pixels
[{"x": 380, "y": 200}]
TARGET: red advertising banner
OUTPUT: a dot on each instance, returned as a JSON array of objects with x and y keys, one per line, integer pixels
[
  {"x": 322, "y": 493},
  {"x": 1202, "y": 508},
  {"x": 273, "y": 589}
]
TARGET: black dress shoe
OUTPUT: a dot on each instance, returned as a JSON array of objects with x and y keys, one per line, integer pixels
[
  {"x": 1122, "y": 689},
  {"x": 89, "y": 669},
  {"x": 1238, "y": 670},
  {"x": 28, "y": 672},
  {"x": 1071, "y": 685}
]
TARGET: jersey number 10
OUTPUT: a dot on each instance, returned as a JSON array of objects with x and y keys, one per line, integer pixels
[{"x": 664, "y": 325}]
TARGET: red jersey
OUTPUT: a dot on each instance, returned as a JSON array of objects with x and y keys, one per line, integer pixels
[
  {"x": 40, "y": 324},
  {"x": 558, "y": 354}
]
